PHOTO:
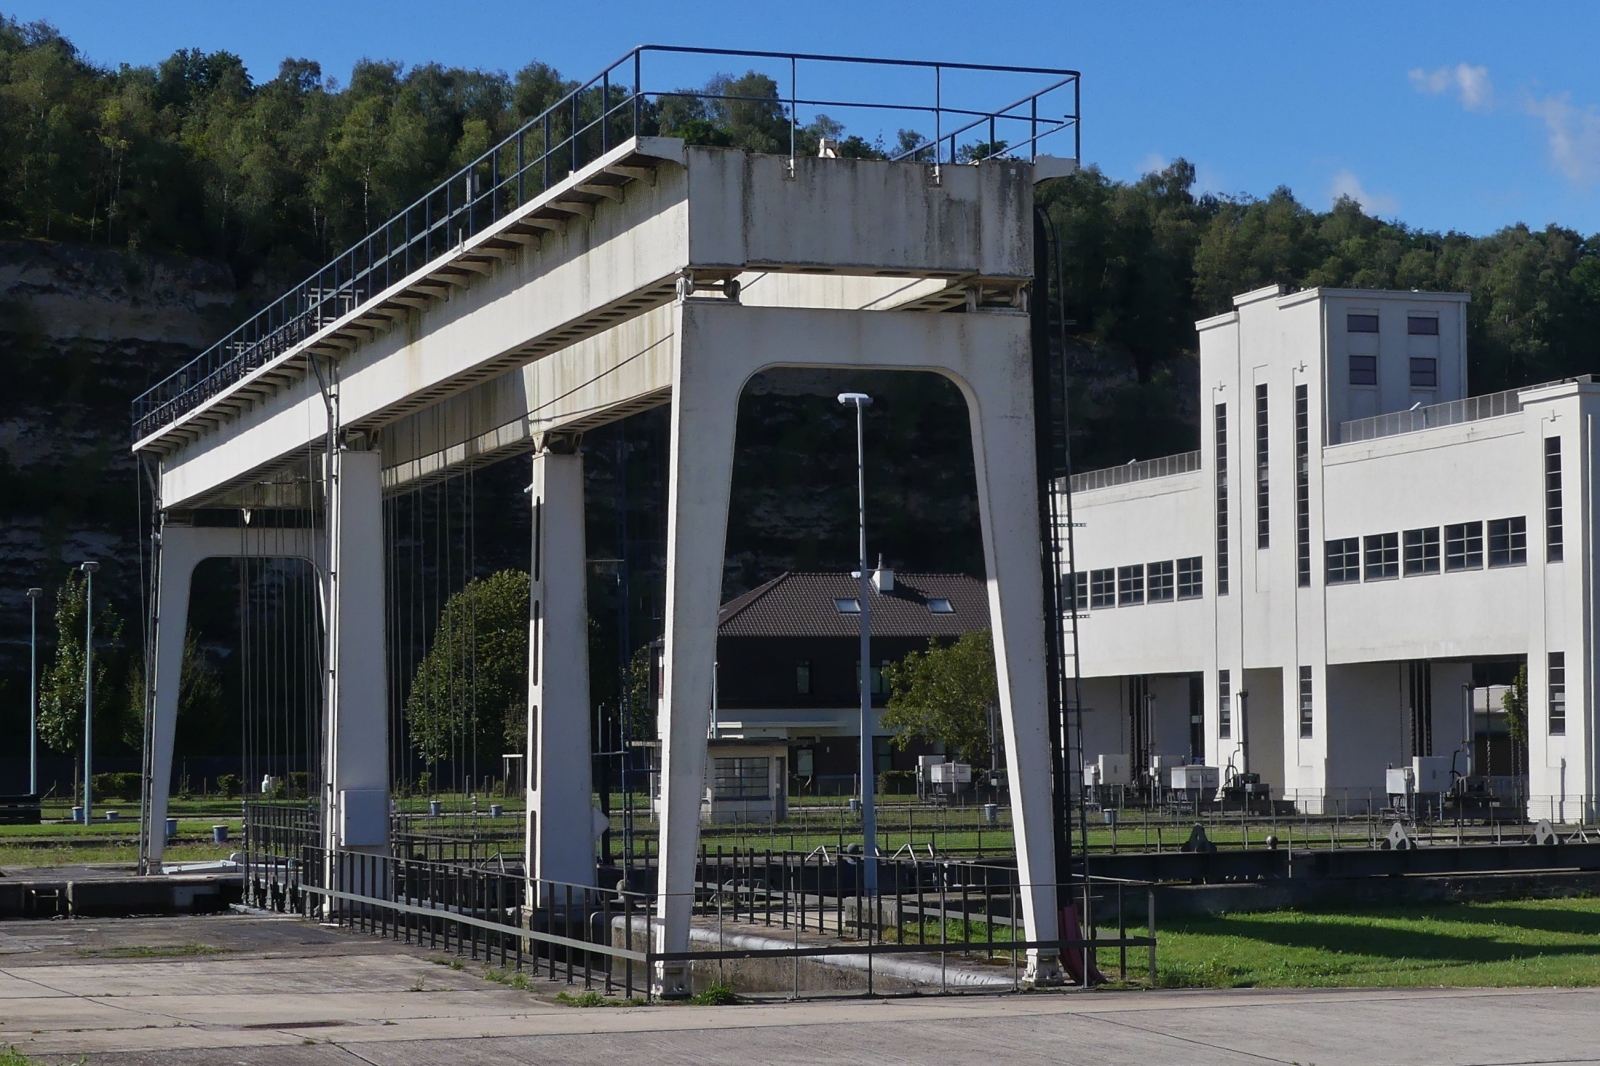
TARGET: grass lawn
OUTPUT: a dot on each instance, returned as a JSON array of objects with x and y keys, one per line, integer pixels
[{"x": 1514, "y": 942}]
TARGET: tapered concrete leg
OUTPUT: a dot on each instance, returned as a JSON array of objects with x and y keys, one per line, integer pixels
[
  {"x": 357, "y": 759},
  {"x": 177, "y": 558},
  {"x": 705, "y": 406},
  {"x": 560, "y": 835},
  {"x": 719, "y": 345}
]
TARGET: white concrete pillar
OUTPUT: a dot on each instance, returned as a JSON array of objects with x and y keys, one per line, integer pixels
[
  {"x": 719, "y": 345},
  {"x": 560, "y": 831},
  {"x": 357, "y": 758}
]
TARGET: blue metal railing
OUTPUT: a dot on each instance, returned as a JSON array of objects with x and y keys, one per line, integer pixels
[{"x": 584, "y": 125}]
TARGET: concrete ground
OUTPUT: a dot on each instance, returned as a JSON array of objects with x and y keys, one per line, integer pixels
[{"x": 281, "y": 992}]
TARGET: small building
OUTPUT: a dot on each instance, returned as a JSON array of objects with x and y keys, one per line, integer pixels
[{"x": 788, "y": 665}]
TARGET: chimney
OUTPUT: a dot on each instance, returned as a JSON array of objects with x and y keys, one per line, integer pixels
[{"x": 883, "y": 577}]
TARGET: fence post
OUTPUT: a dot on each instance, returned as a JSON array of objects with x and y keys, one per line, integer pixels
[{"x": 1150, "y": 920}]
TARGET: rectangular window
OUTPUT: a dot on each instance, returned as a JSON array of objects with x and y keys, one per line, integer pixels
[
  {"x": 1344, "y": 560},
  {"x": 734, "y": 779},
  {"x": 1302, "y": 485},
  {"x": 844, "y": 606},
  {"x": 1463, "y": 546},
  {"x": 1224, "y": 705},
  {"x": 1425, "y": 373},
  {"x": 1552, "y": 500},
  {"x": 1381, "y": 556},
  {"x": 1558, "y": 694},
  {"x": 1363, "y": 370},
  {"x": 1130, "y": 585},
  {"x": 878, "y": 684},
  {"x": 1306, "y": 714},
  {"x": 1422, "y": 325},
  {"x": 802, "y": 678},
  {"x": 1102, "y": 588},
  {"x": 1361, "y": 323},
  {"x": 1159, "y": 579},
  {"x": 1191, "y": 584},
  {"x": 1263, "y": 516},
  {"x": 1421, "y": 551},
  {"x": 1508, "y": 542},
  {"x": 1078, "y": 592},
  {"x": 1221, "y": 424}
]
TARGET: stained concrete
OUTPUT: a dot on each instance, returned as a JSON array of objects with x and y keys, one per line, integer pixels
[{"x": 281, "y": 992}]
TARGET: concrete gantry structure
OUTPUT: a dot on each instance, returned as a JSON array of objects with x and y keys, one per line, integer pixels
[
  {"x": 1306, "y": 595},
  {"x": 657, "y": 273}
]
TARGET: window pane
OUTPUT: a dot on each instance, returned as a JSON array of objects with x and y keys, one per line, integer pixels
[
  {"x": 1422, "y": 325},
  {"x": 1130, "y": 585},
  {"x": 1224, "y": 705},
  {"x": 940, "y": 607},
  {"x": 1558, "y": 693},
  {"x": 1190, "y": 582},
  {"x": 847, "y": 606},
  {"x": 1159, "y": 578},
  {"x": 802, "y": 678},
  {"x": 1102, "y": 588},
  {"x": 1463, "y": 546},
  {"x": 741, "y": 778},
  {"x": 1421, "y": 551},
  {"x": 1307, "y": 716},
  {"x": 1344, "y": 560},
  {"x": 1552, "y": 500},
  {"x": 1382, "y": 556},
  {"x": 1425, "y": 373},
  {"x": 1361, "y": 323},
  {"x": 1363, "y": 370},
  {"x": 1508, "y": 542}
]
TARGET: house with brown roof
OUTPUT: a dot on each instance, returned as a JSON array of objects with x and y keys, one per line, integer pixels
[{"x": 788, "y": 662}]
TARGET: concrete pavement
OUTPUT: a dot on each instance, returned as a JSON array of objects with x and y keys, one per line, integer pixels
[{"x": 277, "y": 992}]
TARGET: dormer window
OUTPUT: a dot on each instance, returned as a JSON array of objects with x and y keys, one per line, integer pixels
[
  {"x": 847, "y": 606},
  {"x": 940, "y": 607}
]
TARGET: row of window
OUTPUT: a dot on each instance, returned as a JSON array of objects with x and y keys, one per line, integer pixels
[
  {"x": 1125, "y": 586},
  {"x": 1381, "y": 556},
  {"x": 1416, "y": 325},
  {"x": 1424, "y": 371}
]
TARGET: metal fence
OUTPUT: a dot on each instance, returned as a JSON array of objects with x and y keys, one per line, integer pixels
[
  {"x": 1471, "y": 409},
  {"x": 621, "y": 102},
  {"x": 1167, "y": 465}
]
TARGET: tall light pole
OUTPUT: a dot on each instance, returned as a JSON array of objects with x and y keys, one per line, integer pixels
[
  {"x": 88, "y": 690},
  {"x": 869, "y": 817},
  {"x": 33, "y": 691}
]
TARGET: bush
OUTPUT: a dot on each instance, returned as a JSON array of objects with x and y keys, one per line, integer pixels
[
  {"x": 117, "y": 786},
  {"x": 897, "y": 782},
  {"x": 228, "y": 785}
]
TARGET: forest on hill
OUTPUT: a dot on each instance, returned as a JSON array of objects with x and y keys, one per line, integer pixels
[{"x": 178, "y": 197}]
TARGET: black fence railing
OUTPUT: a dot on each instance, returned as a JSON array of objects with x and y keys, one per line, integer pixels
[{"x": 623, "y": 101}]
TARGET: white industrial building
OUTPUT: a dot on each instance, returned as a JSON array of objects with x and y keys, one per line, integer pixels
[{"x": 1305, "y": 596}]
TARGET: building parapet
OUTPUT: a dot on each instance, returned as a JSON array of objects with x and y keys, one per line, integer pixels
[
  {"x": 1167, "y": 465},
  {"x": 1470, "y": 409}
]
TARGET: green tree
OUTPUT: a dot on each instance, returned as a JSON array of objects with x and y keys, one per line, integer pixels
[
  {"x": 945, "y": 695},
  {"x": 200, "y": 697},
  {"x": 470, "y": 691},
  {"x": 61, "y": 685}
]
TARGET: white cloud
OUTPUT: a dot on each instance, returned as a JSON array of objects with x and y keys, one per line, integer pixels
[
  {"x": 1470, "y": 84},
  {"x": 1573, "y": 134},
  {"x": 1345, "y": 183}
]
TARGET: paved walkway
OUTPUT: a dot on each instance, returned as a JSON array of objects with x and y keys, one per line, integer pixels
[{"x": 279, "y": 992}]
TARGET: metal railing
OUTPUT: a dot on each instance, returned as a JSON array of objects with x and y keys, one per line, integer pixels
[
  {"x": 1471, "y": 409},
  {"x": 617, "y": 104},
  {"x": 1128, "y": 473}
]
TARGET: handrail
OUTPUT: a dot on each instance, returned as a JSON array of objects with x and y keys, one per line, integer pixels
[
  {"x": 1450, "y": 413},
  {"x": 1166, "y": 466},
  {"x": 591, "y": 120}
]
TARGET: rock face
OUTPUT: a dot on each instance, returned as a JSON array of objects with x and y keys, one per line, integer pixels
[{"x": 82, "y": 331}]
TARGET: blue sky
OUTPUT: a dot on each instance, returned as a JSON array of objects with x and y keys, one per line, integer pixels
[{"x": 1466, "y": 116}]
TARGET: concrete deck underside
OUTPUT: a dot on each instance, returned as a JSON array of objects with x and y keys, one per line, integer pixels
[{"x": 284, "y": 993}]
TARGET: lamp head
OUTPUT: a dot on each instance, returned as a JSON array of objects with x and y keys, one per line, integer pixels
[
  {"x": 89, "y": 567},
  {"x": 860, "y": 399},
  {"x": 34, "y": 594}
]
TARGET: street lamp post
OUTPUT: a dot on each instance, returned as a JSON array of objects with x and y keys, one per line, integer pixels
[
  {"x": 88, "y": 690},
  {"x": 869, "y": 817},
  {"x": 33, "y": 691}
]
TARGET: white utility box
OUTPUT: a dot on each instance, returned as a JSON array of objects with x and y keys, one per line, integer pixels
[
  {"x": 951, "y": 773},
  {"x": 1196, "y": 778},
  {"x": 1430, "y": 773},
  {"x": 1114, "y": 770},
  {"x": 1398, "y": 780}
]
